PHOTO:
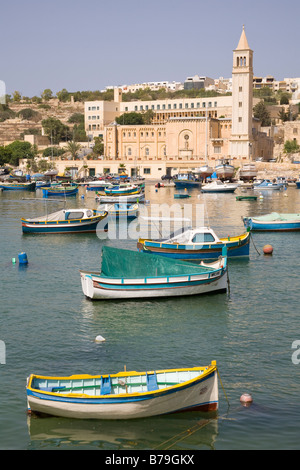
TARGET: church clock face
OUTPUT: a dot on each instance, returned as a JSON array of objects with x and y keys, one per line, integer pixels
[{"x": 186, "y": 137}]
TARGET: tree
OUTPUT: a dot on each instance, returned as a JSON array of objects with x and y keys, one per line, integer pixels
[
  {"x": 130, "y": 119},
  {"x": 20, "y": 150},
  {"x": 99, "y": 146},
  {"x": 73, "y": 148},
  {"x": 47, "y": 94},
  {"x": 16, "y": 96},
  {"x": 28, "y": 114},
  {"x": 63, "y": 95},
  {"x": 291, "y": 146},
  {"x": 284, "y": 116},
  {"x": 5, "y": 155},
  {"x": 56, "y": 130},
  {"x": 284, "y": 98},
  {"x": 76, "y": 118},
  {"x": 260, "y": 112}
]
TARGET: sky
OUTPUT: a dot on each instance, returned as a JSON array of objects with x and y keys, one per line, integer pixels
[{"x": 89, "y": 45}]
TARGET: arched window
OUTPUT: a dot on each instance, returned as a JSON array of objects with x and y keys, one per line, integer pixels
[
  {"x": 147, "y": 151},
  {"x": 244, "y": 61},
  {"x": 129, "y": 151}
]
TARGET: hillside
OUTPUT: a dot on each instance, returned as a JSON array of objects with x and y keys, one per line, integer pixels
[{"x": 11, "y": 129}]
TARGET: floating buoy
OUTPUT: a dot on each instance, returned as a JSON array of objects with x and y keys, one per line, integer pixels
[
  {"x": 268, "y": 249},
  {"x": 246, "y": 399},
  {"x": 23, "y": 258},
  {"x": 13, "y": 260},
  {"x": 99, "y": 339}
]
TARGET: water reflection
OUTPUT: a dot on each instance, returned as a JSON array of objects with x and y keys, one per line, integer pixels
[{"x": 179, "y": 431}]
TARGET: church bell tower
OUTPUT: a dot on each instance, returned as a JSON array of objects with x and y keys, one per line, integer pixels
[{"x": 242, "y": 100}]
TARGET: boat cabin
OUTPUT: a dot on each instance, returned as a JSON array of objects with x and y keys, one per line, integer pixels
[{"x": 189, "y": 235}]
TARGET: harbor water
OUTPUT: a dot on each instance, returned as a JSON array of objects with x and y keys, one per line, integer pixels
[{"x": 48, "y": 327}]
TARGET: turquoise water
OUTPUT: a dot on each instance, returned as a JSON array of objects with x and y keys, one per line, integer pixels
[{"x": 48, "y": 327}]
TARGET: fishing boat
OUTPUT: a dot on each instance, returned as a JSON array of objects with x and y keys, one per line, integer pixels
[
  {"x": 224, "y": 169},
  {"x": 16, "y": 186},
  {"x": 125, "y": 395},
  {"x": 122, "y": 189},
  {"x": 246, "y": 198},
  {"x": 121, "y": 210},
  {"x": 181, "y": 195},
  {"x": 139, "y": 196},
  {"x": 98, "y": 185},
  {"x": 248, "y": 172},
  {"x": 204, "y": 171},
  {"x": 218, "y": 186},
  {"x": 65, "y": 221},
  {"x": 60, "y": 190},
  {"x": 187, "y": 180},
  {"x": 268, "y": 185},
  {"x": 274, "y": 222},
  {"x": 42, "y": 184},
  {"x": 129, "y": 274},
  {"x": 194, "y": 244}
]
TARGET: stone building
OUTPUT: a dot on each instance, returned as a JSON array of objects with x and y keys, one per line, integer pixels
[{"x": 185, "y": 132}]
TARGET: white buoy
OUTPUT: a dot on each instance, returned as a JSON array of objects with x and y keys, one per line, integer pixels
[
  {"x": 99, "y": 339},
  {"x": 246, "y": 399}
]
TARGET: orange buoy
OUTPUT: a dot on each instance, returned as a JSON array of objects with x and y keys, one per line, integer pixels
[
  {"x": 268, "y": 249},
  {"x": 246, "y": 399}
]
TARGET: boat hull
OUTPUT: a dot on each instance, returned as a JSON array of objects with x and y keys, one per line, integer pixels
[
  {"x": 126, "y": 199},
  {"x": 271, "y": 226},
  {"x": 18, "y": 186},
  {"x": 298, "y": 184},
  {"x": 218, "y": 190},
  {"x": 59, "y": 192},
  {"x": 95, "y": 287},
  {"x": 224, "y": 171},
  {"x": 198, "y": 394},
  {"x": 60, "y": 227}
]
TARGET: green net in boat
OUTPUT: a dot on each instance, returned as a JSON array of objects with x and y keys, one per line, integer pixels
[{"x": 117, "y": 262}]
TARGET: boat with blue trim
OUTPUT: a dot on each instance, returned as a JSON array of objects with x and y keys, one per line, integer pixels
[
  {"x": 195, "y": 244},
  {"x": 268, "y": 185},
  {"x": 126, "y": 394},
  {"x": 187, "y": 180},
  {"x": 274, "y": 222},
  {"x": 60, "y": 190},
  {"x": 122, "y": 189},
  {"x": 16, "y": 186},
  {"x": 65, "y": 221},
  {"x": 129, "y": 274}
]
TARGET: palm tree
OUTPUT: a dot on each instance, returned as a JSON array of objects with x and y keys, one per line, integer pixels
[{"x": 73, "y": 148}]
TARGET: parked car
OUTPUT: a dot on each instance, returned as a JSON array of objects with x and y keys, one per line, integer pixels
[{"x": 166, "y": 177}]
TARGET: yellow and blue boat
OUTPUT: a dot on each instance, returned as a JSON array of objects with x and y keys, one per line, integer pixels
[
  {"x": 80, "y": 220},
  {"x": 125, "y": 395},
  {"x": 62, "y": 191},
  {"x": 197, "y": 244},
  {"x": 15, "y": 186}
]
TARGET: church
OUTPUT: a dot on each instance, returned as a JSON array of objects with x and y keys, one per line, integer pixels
[{"x": 184, "y": 133}]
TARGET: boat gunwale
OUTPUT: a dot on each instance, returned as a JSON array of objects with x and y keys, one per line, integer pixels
[
  {"x": 60, "y": 222},
  {"x": 207, "y": 372},
  {"x": 194, "y": 246}
]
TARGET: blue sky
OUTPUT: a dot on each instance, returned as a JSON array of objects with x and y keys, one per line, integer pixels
[{"x": 88, "y": 45}]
